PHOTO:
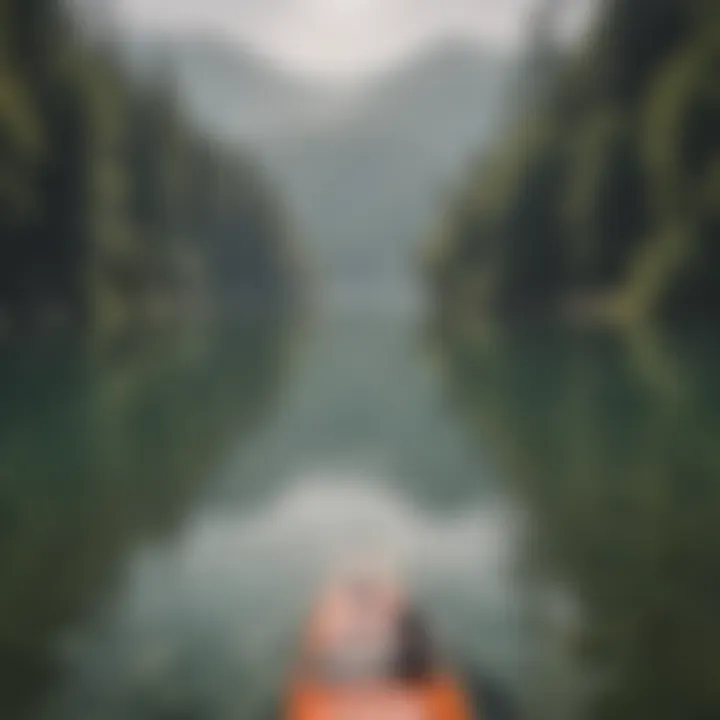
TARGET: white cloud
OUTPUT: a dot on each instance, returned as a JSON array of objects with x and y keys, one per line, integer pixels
[{"x": 337, "y": 37}]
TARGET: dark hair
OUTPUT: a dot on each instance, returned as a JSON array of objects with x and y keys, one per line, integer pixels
[{"x": 416, "y": 652}]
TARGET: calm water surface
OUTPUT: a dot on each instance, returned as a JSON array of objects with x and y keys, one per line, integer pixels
[{"x": 167, "y": 507}]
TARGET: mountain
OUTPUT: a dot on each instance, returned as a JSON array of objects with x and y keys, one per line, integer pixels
[
  {"x": 362, "y": 166},
  {"x": 235, "y": 93},
  {"x": 368, "y": 181}
]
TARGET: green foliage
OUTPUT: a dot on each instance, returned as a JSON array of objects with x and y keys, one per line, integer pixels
[
  {"x": 114, "y": 209},
  {"x": 609, "y": 197},
  {"x": 609, "y": 442},
  {"x": 128, "y": 433}
]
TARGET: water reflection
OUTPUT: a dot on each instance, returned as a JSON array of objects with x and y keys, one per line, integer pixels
[
  {"x": 100, "y": 452},
  {"x": 162, "y": 532},
  {"x": 613, "y": 445},
  {"x": 207, "y": 552},
  {"x": 209, "y": 624}
]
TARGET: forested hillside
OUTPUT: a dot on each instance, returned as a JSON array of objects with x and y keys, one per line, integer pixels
[
  {"x": 114, "y": 209},
  {"x": 604, "y": 202}
]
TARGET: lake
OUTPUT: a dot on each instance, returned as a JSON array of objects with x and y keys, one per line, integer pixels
[{"x": 168, "y": 506}]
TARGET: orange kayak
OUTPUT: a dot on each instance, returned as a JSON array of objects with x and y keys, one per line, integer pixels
[
  {"x": 438, "y": 698},
  {"x": 366, "y": 655}
]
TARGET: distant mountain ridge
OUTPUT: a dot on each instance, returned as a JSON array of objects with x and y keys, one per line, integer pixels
[
  {"x": 368, "y": 181},
  {"x": 233, "y": 91},
  {"x": 361, "y": 165}
]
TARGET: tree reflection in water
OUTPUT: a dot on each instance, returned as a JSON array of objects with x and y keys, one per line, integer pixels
[
  {"x": 99, "y": 453},
  {"x": 613, "y": 444}
]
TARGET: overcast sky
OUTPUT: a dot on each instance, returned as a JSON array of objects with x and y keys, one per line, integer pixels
[{"x": 338, "y": 37}]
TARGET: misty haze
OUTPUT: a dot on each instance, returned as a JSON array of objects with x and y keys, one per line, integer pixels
[{"x": 358, "y": 359}]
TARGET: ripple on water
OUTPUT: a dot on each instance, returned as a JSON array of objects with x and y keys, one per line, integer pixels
[{"x": 217, "y": 612}]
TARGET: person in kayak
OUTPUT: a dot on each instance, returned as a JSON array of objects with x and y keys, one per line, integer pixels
[{"x": 369, "y": 654}]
